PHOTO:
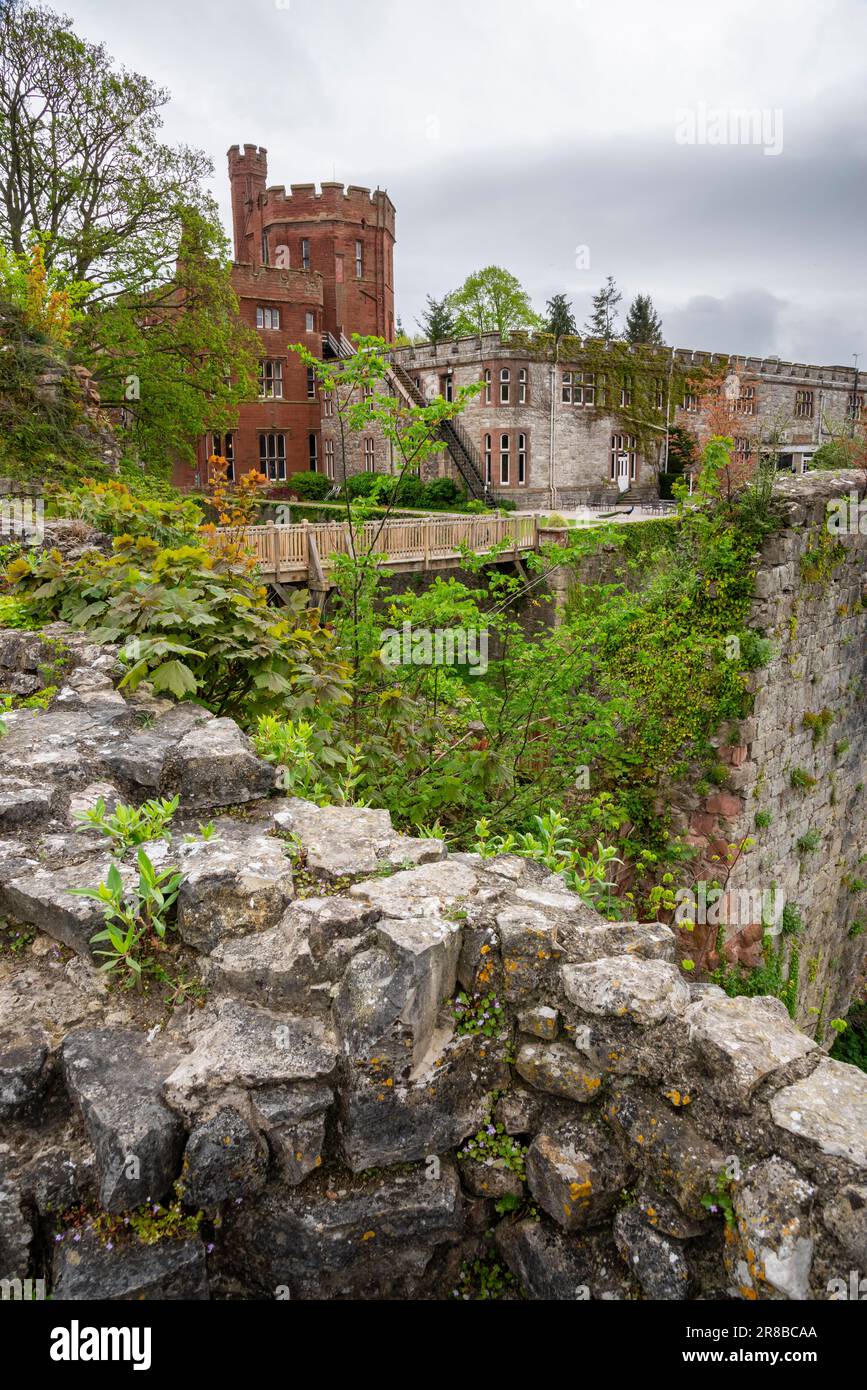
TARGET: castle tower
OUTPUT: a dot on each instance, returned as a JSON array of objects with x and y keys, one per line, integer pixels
[{"x": 344, "y": 235}]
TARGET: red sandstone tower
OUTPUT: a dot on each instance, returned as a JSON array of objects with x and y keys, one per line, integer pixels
[{"x": 344, "y": 235}]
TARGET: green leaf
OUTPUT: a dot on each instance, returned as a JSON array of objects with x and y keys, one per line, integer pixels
[{"x": 176, "y": 677}]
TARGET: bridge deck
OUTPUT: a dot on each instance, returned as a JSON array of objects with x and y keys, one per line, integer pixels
[{"x": 289, "y": 554}]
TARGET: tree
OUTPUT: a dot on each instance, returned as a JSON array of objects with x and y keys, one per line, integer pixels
[
  {"x": 561, "y": 320},
  {"x": 643, "y": 324},
  {"x": 437, "y": 323},
  {"x": 491, "y": 301},
  {"x": 602, "y": 322},
  {"x": 82, "y": 168},
  {"x": 176, "y": 359}
]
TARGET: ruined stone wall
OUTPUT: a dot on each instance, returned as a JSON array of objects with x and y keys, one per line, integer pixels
[{"x": 403, "y": 1060}]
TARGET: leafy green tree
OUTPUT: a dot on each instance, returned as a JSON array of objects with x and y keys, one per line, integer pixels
[
  {"x": 175, "y": 356},
  {"x": 643, "y": 324},
  {"x": 437, "y": 323},
  {"x": 491, "y": 301},
  {"x": 602, "y": 322},
  {"x": 560, "y": 319}
]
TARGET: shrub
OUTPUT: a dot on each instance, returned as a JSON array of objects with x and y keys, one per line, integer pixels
[
  {"x": 112, "y": 507},
  {"x": 312, "y": 486},
  {"x": 444, "y": 492},
  {"x": 192, "y": 622}
]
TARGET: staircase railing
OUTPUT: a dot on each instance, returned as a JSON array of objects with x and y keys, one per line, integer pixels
[{"x": 462, "y": 452}]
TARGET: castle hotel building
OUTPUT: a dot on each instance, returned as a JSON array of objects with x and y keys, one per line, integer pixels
[{"x": 316, "y": 265}]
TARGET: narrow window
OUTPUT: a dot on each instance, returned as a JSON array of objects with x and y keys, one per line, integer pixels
[
  {"x": 310, "y": 322},
  {"x": 690, "y": 402},
  {"x": 369, "y": 454},
  {"x": 260, "y": 316},
  {"x": 746, "y": 401},
  {"x": 305, "y": 254},
  {"x": 329, "y": 458},
  {"x": 505, "y": 386},
  {"x": 223, "y": 445},
  {"x": 504, "y": 459},
  {"x": 359, "y": 261},
  {"x": 266, "y": 260},
  {"x": 626, "y": 391},
  {"x": 522, "y": 459},
  {"x": 522, "y": 386},
  {"x": 270, "y": 379},
  {"x": 327, "y": 403},
  {"x": 567, "y": 388},
  {"x": 488, "y": 459},
  {"x": 313, "y": 451},
  {"x": 447, "y": 387},
  {"x": 487, "y": 381},
  {"x": 311, "y": 384},
  {"x": 855, "y": 406}
]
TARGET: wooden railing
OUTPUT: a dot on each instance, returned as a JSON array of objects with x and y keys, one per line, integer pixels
[{"x": 290, "y": 552}]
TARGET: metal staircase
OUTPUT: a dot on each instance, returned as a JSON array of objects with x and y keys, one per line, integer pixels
[{"x": 463, "y": 453}]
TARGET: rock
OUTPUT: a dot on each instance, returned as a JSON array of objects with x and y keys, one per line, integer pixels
[
  {"x": 558, "y": 1069},
  {"x": 225, "y": 1159},
  {"x": 43, "y": 898},
  {"x": 576, "y": 1174},
  {"x": 540, "y": 1021},
  {"x": 171, "y": 1269},
  {"x": 551, "y": 1266},
  {"x": 16, "y": 1226},
  {"x": 741, "y": 1040},
  {"x": 25, "y": 1070},
  {"x": 374, "y": 1237},
  {"x": 294, "y": 1118},
  {"x": 828, "y": 1107},
  {"x": 846, "y": 1217},
  {"x": 774, "y": 1249},
  {"x": 231, "y": 888},
  {"x": 240, "y": 1047},
  {"x": 22, "y": 803},
  {"x": 346, "y": 841},
  {"x": 431, "y": 890},
  {"x": 386, "y": 1119},
  {"x": 646, "y": 991},
  {"x": 667, "y": 1147},
  {"x": 530, "y": 952},
  {"x": 136, "y": 761},
  {"x": 214, "y": 765},
  {"x": 89, "y": 796},
  {"x": 657, "y": 1262},
  {"x": 651, "y": 942},
  {"x": 665, "y": 1215},
  {"x": 492, "y": 1179},
  {"x": 115, "y": 1078}
]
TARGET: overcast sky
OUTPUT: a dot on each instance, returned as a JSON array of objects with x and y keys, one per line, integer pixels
[{"x": 545, "y": 134}]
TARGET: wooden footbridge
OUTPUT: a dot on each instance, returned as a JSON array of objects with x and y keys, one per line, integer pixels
[{"x": 305, "y": 554}]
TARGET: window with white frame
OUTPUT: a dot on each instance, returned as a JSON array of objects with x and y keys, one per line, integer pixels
[
  {"x": 505, "y": 385},
  {"x": 622, "y": 444},
  {"x": 487, "y": 380},
  {"x": 659, "y": 395},
  {"x": 690, "y": 402},
  {"x": 272, "y": 456},
  {"x": 367, "y": 397},
  {"x": 328, "y": 404},
  {"x": 223, "y": 447},
  {"x": 447, "y": 389},
  {"x": 746, "y": 401},
  {"x": 313, "y": 451},
  {"x": 267, "y": 317},
  {"x": 505, "y": 455},
  {"x": 369, "y": 454},
  {"x": 487, "y": 453},
  {"x": 522, "y": 459},
  {"x": 743, "y": 445},
  {"x": 310, "y": 321},
  {"x": 359, "y": 260},
  {"x": 270, "y": 379},
  {"x": 266, "y": 257},
  {"x": 305, "y": 253},
  {"x": 584, "y": 388},
  {"x": 566, "y": 388},
  {"x": 311, "y": 384},
  {"x": 626, "y": 391},
  {"x": 522, "y": 386},
  {"x": 803, "y": 405},
  {"x": 329, "y": 458}
]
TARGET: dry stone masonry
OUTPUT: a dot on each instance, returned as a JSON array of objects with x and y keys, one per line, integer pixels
[{"x": 327, "y": 1122}]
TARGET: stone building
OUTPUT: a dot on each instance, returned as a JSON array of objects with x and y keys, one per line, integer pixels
[{"x": 316, "y": 265}]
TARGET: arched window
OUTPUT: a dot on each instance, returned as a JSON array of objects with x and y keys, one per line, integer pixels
[
  {"x": 487, "y": 450},
  {"x": 505, "y": 386},
  {"x": 522, "y": 386},
  {"x": 504, "y": 459},
  {"x": 522, "y": 460}
]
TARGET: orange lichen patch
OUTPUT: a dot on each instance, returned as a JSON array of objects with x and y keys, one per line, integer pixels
[
  {"x": 368, "y": 1235},
  {"x": 592, "y": 1083},
  {"x": 622, "y": 1012},
  {"x": 298, "y": 1157},
  {"x": 390, "y": 1081},
  {"x": 640, "y": 1138},
  {"x": 484, "y": 950},
  {"x": 567, "y": 1208},
  {"x": 318, "y": 1163},
  {"x": 580, "y": 1189},
  {"x": 746, "y": 1292}
]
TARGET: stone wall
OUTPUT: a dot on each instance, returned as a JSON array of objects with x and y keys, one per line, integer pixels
[{"x": 404, "y": 1061}]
